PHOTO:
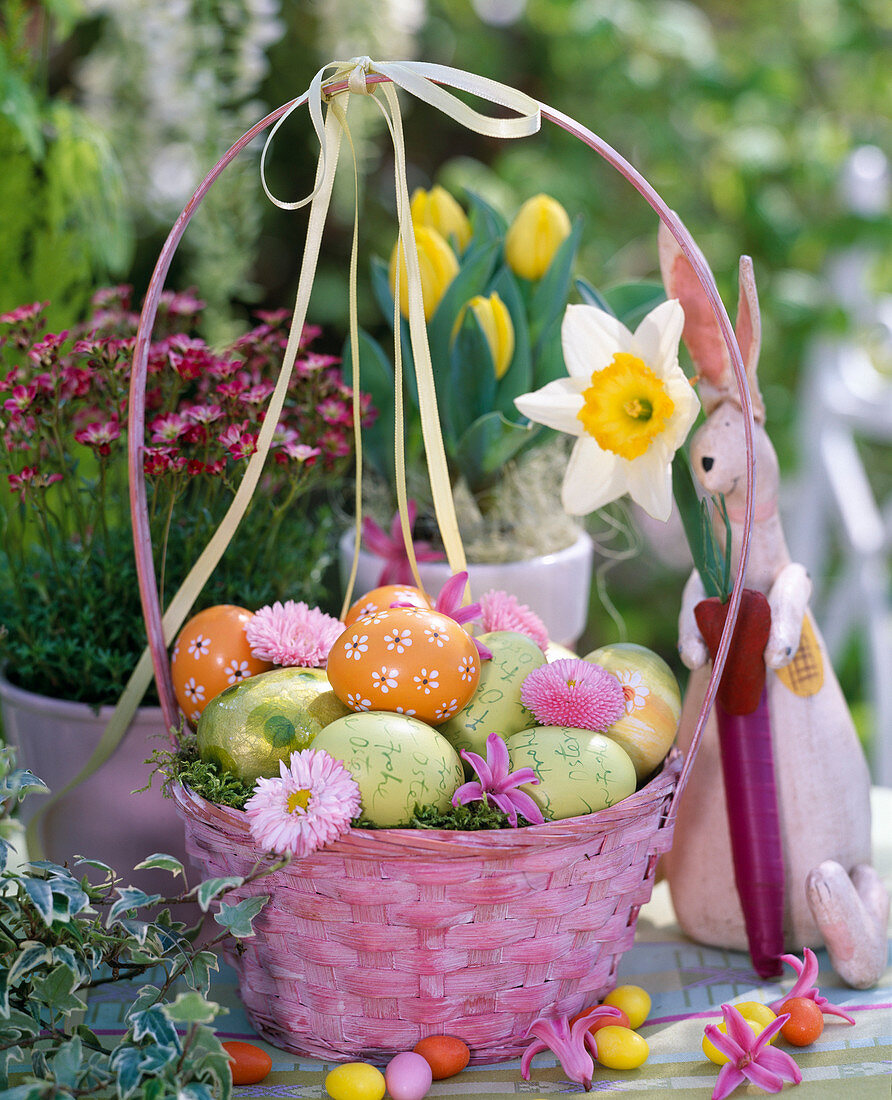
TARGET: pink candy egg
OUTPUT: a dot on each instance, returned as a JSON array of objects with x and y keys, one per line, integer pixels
[{"x": 408, "y": 1077}]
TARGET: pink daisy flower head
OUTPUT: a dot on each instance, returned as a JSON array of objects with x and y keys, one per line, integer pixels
[
  {"x": 804, "y": 986},
  {"x": 291, "y": 634},
  {"x": 573, "y": 692},
  {"x": 309, "y": 805},
  {"x": 501, "y": 611},
  {"x": 498, "y": 784},
  {"x": 750, "y": 1056}
]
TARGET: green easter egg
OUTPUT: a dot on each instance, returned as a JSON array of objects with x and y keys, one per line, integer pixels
[
  {"x": 248, "y": 728},
  {"x": 579, "y": 771},
  {"x": 397, "y": 761},
  {"x": 495, "y": 706},
  {"x": 648, "y": 727}
]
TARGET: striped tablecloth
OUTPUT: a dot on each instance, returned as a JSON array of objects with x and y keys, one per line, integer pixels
[{"x": 687, "y": 983}]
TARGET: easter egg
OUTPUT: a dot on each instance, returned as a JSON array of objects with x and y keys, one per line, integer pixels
[
  {"x": 248, "y": 728},
  {"x": 397, "y": 761},
  {"x": 653, "y": 703},
  {"x": 495, "y": 706},
  {"x": 447, "y": 1055},
  {"x": 355, "y": 1081},
  {"x": 380, "y": 599},
  {"x": 557, "y": 652},
  {"x": 579, "y": 771},
  {"x": 211, "y": 654},
  {"x": 249, "y": 1064},
  {"x": 410, "y": 660},
  {"x": 408, "y": 1077}
]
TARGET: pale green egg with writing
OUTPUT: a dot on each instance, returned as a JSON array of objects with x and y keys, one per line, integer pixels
[
  {"x": 579, "y": 771},
  {"x": 398, "y": 761},
  {"x": 495, "y": 706}
]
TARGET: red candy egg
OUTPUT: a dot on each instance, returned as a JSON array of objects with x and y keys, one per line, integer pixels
[
  {"x": 405, "y": 659},
  {"x": 210, "y": 654},
  {"x": 380, "y": 599},
  {"x": 249, "y": 1064}
]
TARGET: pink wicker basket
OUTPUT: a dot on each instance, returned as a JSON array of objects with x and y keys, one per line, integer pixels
[{"x": 387, "y": 936}]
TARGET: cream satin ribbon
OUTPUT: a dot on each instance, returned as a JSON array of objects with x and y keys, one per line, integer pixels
[{"x": 423, "y": 81}]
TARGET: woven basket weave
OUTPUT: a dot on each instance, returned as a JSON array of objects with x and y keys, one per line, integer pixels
[{"x": 389, "y": 935}]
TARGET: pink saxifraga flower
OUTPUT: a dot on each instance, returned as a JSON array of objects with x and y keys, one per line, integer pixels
[
  {"x": 498, "y": 784},
  {"x": 501, "y": 611},
  {"x": 573, "y": 1044},
  {"x": 572, "y": 692},
  {"x": 100, "y": 435},
  {"x": 750, "y": 1058},
  {"x": 292, "y": 634},
  {"x": 309, "y": 805},
  {"x": 804, "y": 986}
]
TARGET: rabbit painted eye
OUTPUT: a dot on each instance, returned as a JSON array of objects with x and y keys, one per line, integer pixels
[{"x": 707, "y": 463}]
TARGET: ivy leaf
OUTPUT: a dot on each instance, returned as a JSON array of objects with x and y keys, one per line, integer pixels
[
  {"x": 68, "y": 899},
  {"x": 34, "y": 1091},
  {"x": 199, "y": 973},
  {"x": 17, "y": 783},
  {"x": 125, "y": 1061},
  {"x": 192, "y": 1008},
  {"x": 212, "y": 888},
  {"x": 129, "y": 897},
  {"x": 163, "y": 862},
  {"x": 40, "y": 894},
  {"x": 153, "y": 1024},
  {"x": 67, "y": 1062},
  {"x": 238, "y": 918},
  {"x": 145, "y": 998},
  {"x": 28, "y": 959},
  {"x": 58, "y": 989}
]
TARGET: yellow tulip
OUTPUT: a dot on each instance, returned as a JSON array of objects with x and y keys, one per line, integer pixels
[
  {"x": 495, "y": 320},
  {"x": 438, "y": 267},
  {"x": 535, "y": 235},
  {"x": 437, "y": 209}
]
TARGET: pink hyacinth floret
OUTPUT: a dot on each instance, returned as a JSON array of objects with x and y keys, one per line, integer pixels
[
  {"x": 310, "y": 804},
  {"x": 499, "y": 785},
  {"x": 573, "y": 1044},
  {"x": 449, "y": 602},
  {"x": 573, "y": 692},
  {"x": 501, "y": 611},
  {"x": 750, "y": 1058},
  {"x": 292, "y": 634},
  {"x": 390, "y": 547},
  {"x": 804, "y": 986}
]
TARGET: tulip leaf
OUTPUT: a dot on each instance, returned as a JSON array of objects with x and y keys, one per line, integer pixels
[
  {"x": 518, "y": 378},
  {"x": 487, "y": 222},
  {"x": 549, "y": 361},
  {"x": 488, "y": 444},
  {"x": 472, "y": 388},
  {"x": 384, "y": 298},
  {"x": 550, "y": 296},
  {"x": 631, "y": 302},
  {"x": 375, "y": 379},
  {"x": 591, "y": 296}
]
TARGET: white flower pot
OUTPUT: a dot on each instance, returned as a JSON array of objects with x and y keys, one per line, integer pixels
[
  {"x": 556, "y": 586},
  {"x": 100, "y": 819}
]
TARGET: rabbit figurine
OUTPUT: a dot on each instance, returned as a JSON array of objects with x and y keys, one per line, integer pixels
[{"x": 831, "y": 894}]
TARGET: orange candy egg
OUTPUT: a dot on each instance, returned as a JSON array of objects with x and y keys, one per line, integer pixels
[
  {"x": 380, "y": 599},
  {"x": 408, "y": 660},
  {"x": 212, "y": 653},
  {"x": 447, "y": 1055},
  {"x": 249, "y": 1064}
]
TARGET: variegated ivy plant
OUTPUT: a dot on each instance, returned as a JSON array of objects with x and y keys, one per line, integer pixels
[{"x": 61, "y": 936}]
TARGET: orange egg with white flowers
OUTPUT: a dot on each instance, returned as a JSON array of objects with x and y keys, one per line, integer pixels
[
  {"x": 405, "y": 659},
  {"x": 212, "y": 653},
  {"x": 380, "y": 599}
]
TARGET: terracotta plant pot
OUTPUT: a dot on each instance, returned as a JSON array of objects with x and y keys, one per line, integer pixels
[
  {"x": 100, "y": 819},
  {"x": 556, "y": 586}
]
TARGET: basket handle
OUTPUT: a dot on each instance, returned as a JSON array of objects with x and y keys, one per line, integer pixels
[{"x": 160, "y": 630}]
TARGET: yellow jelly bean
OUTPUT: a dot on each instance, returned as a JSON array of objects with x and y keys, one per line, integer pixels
[
  {"x": 758, "y": 1013},
  {"x": 355, "y": 1081},
  {"x": 631, "y": 999},
  {"x": 620, "y": 1047}
]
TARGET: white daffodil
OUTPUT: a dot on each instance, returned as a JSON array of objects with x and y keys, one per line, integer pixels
[{"x": 628, "y": 402}]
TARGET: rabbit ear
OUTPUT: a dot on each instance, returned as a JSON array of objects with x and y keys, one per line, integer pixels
[
  {"x": 748, "y": 330},
  {"x": 702, "y": 335}
]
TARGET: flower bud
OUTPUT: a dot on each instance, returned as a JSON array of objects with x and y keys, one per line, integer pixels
[
  {"x": 535, "y": 235},
  {"x": 438, "y": 267},
  {"x": 437, "y": 209},
  {"x": 495, "y": 320}
]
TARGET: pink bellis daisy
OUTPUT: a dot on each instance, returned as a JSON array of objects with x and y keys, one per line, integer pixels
[
  {"x": 501, "y": 611},
  {"x": 750, "y": 1056},
  {"x": 572, "y": 692},
  {"x": 290, "y": 634},
  {"x": 498, "y": 785},
  {"x": 804, "y": 986},
  {"x": 310, "y": 805},
  {"x": 568, "y": 1042}
]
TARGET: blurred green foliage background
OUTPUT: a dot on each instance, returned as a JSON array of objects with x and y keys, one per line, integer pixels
[{"x": 742, "y": 113}]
